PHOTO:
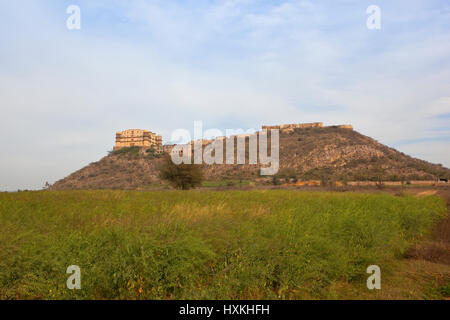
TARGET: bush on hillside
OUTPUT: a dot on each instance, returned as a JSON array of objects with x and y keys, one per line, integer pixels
[
  {"x": 288, "y": 174},
  {"x": 182, "y": 176},
  {"x": 126, "y": 150}
]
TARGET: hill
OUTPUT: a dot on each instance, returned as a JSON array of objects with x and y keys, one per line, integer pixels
[{"x": 305, "y": 153}]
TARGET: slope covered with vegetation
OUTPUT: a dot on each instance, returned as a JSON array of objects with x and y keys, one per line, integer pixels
[{"x": 307, "y": 154}]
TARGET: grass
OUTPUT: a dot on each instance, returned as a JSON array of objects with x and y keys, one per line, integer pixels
[
  {"x": 273, "y": 244},
  {"x": 225, "y": 183}
]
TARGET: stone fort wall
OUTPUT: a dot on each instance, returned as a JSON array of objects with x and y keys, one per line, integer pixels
[
  {"x": 146, "y": 138},
  {"x": 291, "y": 127}
]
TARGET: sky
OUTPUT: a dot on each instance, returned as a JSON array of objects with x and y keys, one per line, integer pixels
[{"x": 161, "y": 65}]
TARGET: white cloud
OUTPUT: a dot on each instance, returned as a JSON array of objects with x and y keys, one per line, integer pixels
[{"x": 232, "y": 64}]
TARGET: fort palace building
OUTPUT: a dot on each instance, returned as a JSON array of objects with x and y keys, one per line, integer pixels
[
  {"x": 148, "y": 139},
  {"x": 138, "y": 138}
]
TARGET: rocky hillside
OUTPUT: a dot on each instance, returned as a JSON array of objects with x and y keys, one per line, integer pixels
[{"x": 308, "y": 153}]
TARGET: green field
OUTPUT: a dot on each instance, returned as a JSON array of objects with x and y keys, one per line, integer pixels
[{"x": 274, "y": 244}]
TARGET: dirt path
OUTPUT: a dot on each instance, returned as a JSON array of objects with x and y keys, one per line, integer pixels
[{"x": 426, "y": 193}]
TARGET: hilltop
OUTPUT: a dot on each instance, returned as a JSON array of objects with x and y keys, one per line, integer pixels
[{"x": 335, "y": 153}]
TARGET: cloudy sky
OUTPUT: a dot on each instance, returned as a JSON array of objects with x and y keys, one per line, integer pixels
[{"x": 160, "y": 65}]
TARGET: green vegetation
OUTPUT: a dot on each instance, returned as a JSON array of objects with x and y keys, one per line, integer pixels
[
  {"x": 126, "y": 150},
  {"x": 286, "y": 174},
  {"x": 225, "y": 183},
  {"x": 181, "y": 176},
  {"x": 151, "y": 153},
  {"x": 198, "y": 244}
]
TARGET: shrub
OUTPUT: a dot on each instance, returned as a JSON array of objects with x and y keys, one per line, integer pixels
[
  {"x": 151, "y": 153},
  {"x": 126, "y": 150},
  {"x": 287, "y": 174},
  {"x": 275, "y": 180},
  {"x": 183, "y": 176}
]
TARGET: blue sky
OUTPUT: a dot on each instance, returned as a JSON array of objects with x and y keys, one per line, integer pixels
[{"x": 160, "y": 65}]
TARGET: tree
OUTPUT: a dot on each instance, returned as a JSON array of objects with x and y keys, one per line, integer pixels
[
  {"x": 275, "y": 180},
  {"x": 183, "y": 176},
  {"x": 324, "y": 179},
  {"x": 241, "y": 178},
  {"x": 288, "y": 174}
]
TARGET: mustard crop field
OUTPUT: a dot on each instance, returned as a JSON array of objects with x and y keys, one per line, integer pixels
[{"x": 260, "y": 244}]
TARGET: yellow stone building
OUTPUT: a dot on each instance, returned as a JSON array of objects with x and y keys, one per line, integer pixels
[{"x": 138, "y": 138}]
